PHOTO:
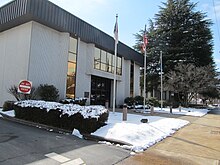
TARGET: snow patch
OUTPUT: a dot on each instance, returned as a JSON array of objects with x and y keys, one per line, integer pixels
[
  {"x": 139, "y": 135},
  {"x": 77, "y": 133},
  {"x": 9, "y": 113},
  {"x": 176, "y": 111}
]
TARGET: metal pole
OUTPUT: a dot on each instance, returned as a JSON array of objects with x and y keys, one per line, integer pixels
[
  {"x": 161, "y": 81},
  {"x": 145, "y": 63},
  {"x": 115, "y": 58}
]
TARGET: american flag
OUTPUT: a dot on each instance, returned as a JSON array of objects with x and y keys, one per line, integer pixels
[{"x": 145, "y": 41}]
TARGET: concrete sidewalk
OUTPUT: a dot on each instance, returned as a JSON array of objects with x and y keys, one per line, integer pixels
[{"x": 195, "y": 144}]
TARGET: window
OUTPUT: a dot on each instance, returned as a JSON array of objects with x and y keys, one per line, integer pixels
[
  {"x": 71, "y": 72},
  {"x": 119, "y": 66},
  {"x": 105, "y": 61},
  {"x": 97, "y": 59}
]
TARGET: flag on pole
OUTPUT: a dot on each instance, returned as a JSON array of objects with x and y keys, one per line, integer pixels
[
  {"x": 116, "y": 30},
  {"x": 145, "y": 41}
]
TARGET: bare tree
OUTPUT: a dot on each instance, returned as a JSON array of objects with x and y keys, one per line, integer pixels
[{"x": 187, "y": 80}]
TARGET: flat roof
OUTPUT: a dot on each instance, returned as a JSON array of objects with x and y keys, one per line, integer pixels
[{"x": 45, "y": 12}]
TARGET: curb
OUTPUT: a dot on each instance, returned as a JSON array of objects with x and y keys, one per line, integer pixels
[
  {"x": 29, "y": 123},
  {"x": 60, "y": 130},
  {"x": 99, "y": 138}
]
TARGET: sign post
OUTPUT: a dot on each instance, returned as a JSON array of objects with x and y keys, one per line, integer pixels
[{"x": 25, "y": 87}]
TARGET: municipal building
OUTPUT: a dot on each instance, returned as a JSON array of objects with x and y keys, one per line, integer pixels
[{"x": 43, "y": 43}]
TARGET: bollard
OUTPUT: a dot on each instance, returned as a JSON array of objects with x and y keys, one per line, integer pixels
[
  {"x": 151, "y": 110},
  {"x": 179, "y": 108},
  {"x": 171, "y": 110},
  {"x": 125, "y": 111}
]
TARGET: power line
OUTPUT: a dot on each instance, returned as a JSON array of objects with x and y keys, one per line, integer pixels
[{"x": 216, "y": 19}]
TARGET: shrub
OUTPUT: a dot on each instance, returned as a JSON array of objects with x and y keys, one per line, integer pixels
[
  {"x": 86, "y": 119},
  {"x": 153, "y": 102},
  {"x": 79, "y": 101},
  {"x": 8, "y": 105},
  {"x": 139, "y": 100},
  {"x": 165, "y": 103},
  {"x": 129, "y": 101},
  {"x": 13, "y": 90},
  {"x": 48, "y": 92}
]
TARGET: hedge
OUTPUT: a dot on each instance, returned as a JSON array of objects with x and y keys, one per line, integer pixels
[{"x": 86, "y": 119}]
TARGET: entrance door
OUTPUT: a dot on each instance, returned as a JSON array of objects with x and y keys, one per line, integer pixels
[{"x": 100, "y": 90}]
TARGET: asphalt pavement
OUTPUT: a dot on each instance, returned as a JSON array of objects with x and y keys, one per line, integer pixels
[
  {"x": 215, "y": 111},
  {"x": 21, "y": 144}
]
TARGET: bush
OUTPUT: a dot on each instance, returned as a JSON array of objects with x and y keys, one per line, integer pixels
[
  {"x": 129, "y": 101},
  {"x": 79, "y": 101},
  {"x": 139, "y": 100},
  {"x": 13, "y": 90},
  {"x": 86, "y": 119},
  {"x": 153, "y": 102},
  {"x": 8, "y": 105},
  {"x": 48, "y": 92}
]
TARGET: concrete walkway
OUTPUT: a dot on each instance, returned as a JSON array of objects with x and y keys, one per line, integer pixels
[{"x": 196, "y": 144}]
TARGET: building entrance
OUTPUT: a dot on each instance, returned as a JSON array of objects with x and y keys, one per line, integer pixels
[{"x": 100, "y": 90}]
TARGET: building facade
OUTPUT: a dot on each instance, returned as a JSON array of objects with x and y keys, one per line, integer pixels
[{"x": 45, "y": 44}]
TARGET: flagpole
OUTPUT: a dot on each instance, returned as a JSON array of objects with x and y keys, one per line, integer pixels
[
  {"x": 161, "y": 81},
  {"x": 145, "y": 68},
  {"x": 145, "y": 61},
  {"x": 115, "y": 57}
]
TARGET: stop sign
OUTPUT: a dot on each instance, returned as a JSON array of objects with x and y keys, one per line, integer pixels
[{"x": 25, "y": 87}]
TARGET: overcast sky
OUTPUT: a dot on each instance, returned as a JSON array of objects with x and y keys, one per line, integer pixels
[{"x": 133, "y": 15}]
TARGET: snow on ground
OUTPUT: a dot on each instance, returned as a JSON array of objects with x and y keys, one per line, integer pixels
[
  {"x": 139, "y": 135},
  {"x": 175, "y": 111},
  {"x": 1, "y": 111},
  {"x": 9, "y": 113}
]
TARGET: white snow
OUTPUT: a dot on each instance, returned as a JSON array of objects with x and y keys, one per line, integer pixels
[
  {"x": 70, "y": 109},
  {"x": 139, "y": 135},
  {"x": 9, "y": 113},
  {"x": 77, "y": 133},
  {"x": 184, "y": 111}
]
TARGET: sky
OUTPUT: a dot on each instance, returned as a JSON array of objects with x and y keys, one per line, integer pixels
[{"x": 133, "y": 15}]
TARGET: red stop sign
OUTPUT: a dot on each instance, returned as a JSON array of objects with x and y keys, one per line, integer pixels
[{"x": 25, "y": 87}]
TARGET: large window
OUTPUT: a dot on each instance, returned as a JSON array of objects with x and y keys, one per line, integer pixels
[
  {"x": 105, "y": 61},
  {"x": 71, "y": 72}
]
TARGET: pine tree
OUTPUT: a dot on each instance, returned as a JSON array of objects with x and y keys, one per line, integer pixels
[{"x": 184, "y": 34}]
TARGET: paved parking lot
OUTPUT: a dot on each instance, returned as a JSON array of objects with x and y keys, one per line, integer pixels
[{"x": 21, "y": 144}]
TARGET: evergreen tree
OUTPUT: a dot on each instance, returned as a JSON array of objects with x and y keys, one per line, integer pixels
[{"x": 184, "y": 34}]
